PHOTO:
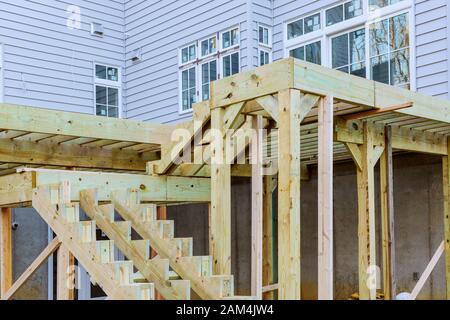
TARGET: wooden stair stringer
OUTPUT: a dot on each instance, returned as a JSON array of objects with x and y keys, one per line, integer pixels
[
  {"x": 206, "y": 286},
  {"x": 85, "y": 251},
  {"x": 116, "y": 231}
]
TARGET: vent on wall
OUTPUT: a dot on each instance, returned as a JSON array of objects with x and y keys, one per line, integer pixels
[
  {"x": 136, "y": 56},
  {"x": 96, "y": 29}
]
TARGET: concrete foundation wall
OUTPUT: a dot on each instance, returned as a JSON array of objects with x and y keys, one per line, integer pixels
[{"x": 418, "y": 231}]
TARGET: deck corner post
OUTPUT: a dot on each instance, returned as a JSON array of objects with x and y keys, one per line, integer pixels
[
  {"x": 220, "y": 215},
  {"x": 325, "y": 200},
  {"x": 289, "y": 195},
  {"x": 446, "y": 194}
]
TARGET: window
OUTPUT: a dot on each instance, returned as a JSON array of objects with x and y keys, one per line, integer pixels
[
  {"x": 107, "y": 91},
  {"x": 263, "y": 35},
  {"x": 209, "y": 73},
  {"x": 389, "y": 51},
  {"x": 343, "y": 12},
  {"x": 312, "y": 23},
  {"x": 230, "y": 38},
  {"x": 208, "y": 46},
  {"x": 376, "y": 4},
  {"x": 106, "y": 73},
  {"x": 348, "y": 53},
  {"x": 188, "y": 54},
  {"x": 310, "y": 52},
  {"x": 188, "y": 89},
  {"x": 303, "y": 26},
  {"x": 230, "y": 64},
  {"x": 205, "y": 61},
  {"x": 264, "y": 57},
  {"x": 358, "y": 41}
]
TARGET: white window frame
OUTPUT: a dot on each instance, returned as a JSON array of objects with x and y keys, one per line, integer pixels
[
  {"x": 180, "y": 55},
  {"x": 342, "y": 3},
  {"x": 180, "y": 87},
  {"x": 233, "y": 47},
  {"x": 362, "y": 21},
  {"x": 200, "y": 47},
  {"x": 314, "y": 40},
  {"x": 200, "y": 60},
  {"x": 200, "y": 76},
  {"x": 228, "y": 54},
  {"x": 109, "y": 84},
  {"x": 263, "y": 49},
  {"x": 330, "y": 46},
  {"x": 269, "y": 36}
]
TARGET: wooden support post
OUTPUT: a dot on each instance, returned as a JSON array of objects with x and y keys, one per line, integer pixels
[
  {"x": 5, "y": 250},
  {"x": 446, "y": 185},
  {"x": 65, "y": 274},
  {"x": 268, "y": 235},
  {"x": 368, "y": 277},
  {"x": 220, "y": 217},
  {"x": 257, "y": 207},
  {"x": 387, "y": 218},
  {"x": 289, "y": 195},
  {"x": 161, "y": 214},
  {"x": 325, "y": 200}
]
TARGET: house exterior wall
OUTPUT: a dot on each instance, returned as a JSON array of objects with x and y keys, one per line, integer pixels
[
  {"x": 159, "y": 29},
  {"x": 430, "y": 38},
  {"x": 45, "y": 63}
]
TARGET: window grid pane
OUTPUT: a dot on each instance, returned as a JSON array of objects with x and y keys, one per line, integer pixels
[
  {"x": 335, "y": 15},
  {"x": 353, "y": 9},
  {"x": 390, "y": 55},
  {"x": 312, "y": 23},
  {"x": 295, "y": 29}
]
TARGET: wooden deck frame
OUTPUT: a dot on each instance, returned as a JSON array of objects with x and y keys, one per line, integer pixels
[{"x": 321, "y": 116}]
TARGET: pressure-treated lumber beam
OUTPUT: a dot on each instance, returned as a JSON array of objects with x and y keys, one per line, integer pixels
[
  {"x": 28, "y": 119},
  {"x": 402, "y": 138},
  {"x": 220, "y": 216},
  {"x": 5, "y": 250},
  {"x": 376, "y": 112},
  {"x": 65, "y": 274},
  {"x": 201, "y": 116},
  {"x": 325, "y": 200},
  {"x": 446, "y": 186},
  {"x": 257, "y": 208},
  {"x": 34, "y": 266},
  {"x": 269, "y": 185},
  {"x": 387, "y": 218},
  {"x": 368, "y": 278},
  {"x": 55, "y": 154},
  {"x": 17, "y": 188},
  {"x": 252, "y": 84},
  {"x": 289, "y": 195},
  {"x": 430, "y": 267}
]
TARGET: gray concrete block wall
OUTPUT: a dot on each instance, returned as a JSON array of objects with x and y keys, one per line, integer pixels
[
  {"x": 29, "y": 239},
  {"x": 418, "y": 227}
]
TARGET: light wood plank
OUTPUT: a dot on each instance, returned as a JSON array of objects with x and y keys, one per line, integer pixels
[
  {"x": 65, "y": 274},
  {"x": 6, "y": 273},
  {"x": 220, "y": 217},
  {"x": 387, "y": 219},
  {"x": 34, "y": 266},
  {"x": 257, "y": 208},
  {"x": 289, "y": 196},
  {"x": 325, "y": 200}
]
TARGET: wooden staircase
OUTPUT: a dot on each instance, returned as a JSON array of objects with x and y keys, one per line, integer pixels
[
  {"x": 173, "y": 272},
  {"x": 114, "y": 277}
]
